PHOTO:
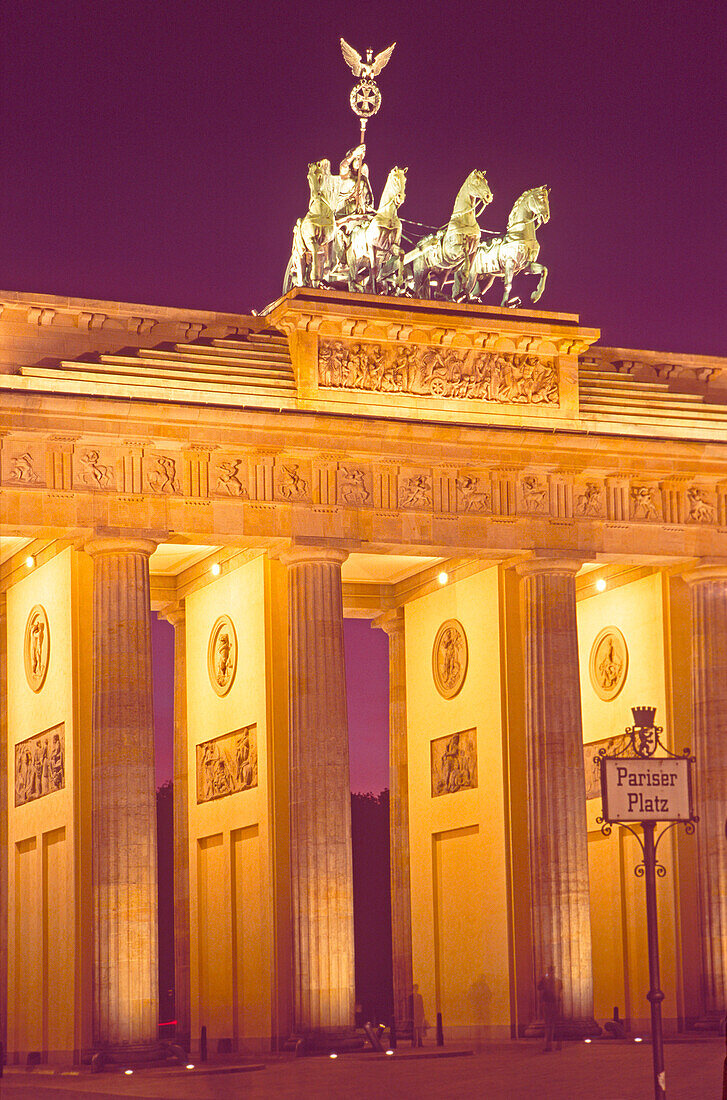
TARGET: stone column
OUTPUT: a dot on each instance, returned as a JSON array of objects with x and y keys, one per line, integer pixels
[
  {"x": 176, "y": 616},
  {"x": 4, "y": 762},
  {"x": 320, "y": 797},
  {"x": 556, "y": 785},
  {"x": 709, "y": 702},
  {"x": 393, "y": 623},
  {"x": 126, "y": 1008}
]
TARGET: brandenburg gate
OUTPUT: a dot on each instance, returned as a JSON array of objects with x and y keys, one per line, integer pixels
[{"x": 539, "y": 524}]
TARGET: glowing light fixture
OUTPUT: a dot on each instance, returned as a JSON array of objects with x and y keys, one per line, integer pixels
[
  {"x": 215, "y": 570},
  {"x": 588, "y": 1040},
  {"x": 128, "y": 1072},
  {"x": 601, "y": 585},
  {"x": 30, "y": 561},
  {"x": 389, "y": 1052},
  {"x": 189, "y": 1066},
  {"x": 443, "y": 577},
  {"x": 333, "y": 1054},
  {"x": 638, "y": 1039}
]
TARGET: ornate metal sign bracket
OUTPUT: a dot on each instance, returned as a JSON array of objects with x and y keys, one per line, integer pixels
[{"x": 624, "y": 779}]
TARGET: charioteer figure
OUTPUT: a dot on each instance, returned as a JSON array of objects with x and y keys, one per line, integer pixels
[{"x": 350, "y": 191}]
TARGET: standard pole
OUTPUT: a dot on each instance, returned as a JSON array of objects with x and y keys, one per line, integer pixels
[{"x": 655, "y": 995}]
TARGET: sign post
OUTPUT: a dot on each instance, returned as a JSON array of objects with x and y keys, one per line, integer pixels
[{"x": 646, "y": 789}]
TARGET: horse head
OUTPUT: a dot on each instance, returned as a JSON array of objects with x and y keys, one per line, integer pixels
[
  {"x": 531, "y": 206},
  {"x": 540, "y": 203},
  {"x": 395, "y": 187},
  {"x": 478, "y": 187},
  {"x": 318, "y": 172}
]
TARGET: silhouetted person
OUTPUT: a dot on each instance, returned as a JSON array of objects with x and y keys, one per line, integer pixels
[
  {"x": 417, "y": 1017},
  {"x": 550, "y": 990}
]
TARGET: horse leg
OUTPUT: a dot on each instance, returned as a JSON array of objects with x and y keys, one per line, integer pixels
[
  {"x": 542, "y": 271},
  {"x": 486, "y": 287},
  {"x": 507, "y": 275}
]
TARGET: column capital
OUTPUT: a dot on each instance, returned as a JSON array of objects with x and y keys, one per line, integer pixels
[
  {"x": 119, "y": 544},
  {"x": 550, "y": 561},
  {"x": 174, "y": 613},
  {"x": 392, "y": 622},
  {"x": 303, "y": 553},
  {"x": 706, "y": 569}
]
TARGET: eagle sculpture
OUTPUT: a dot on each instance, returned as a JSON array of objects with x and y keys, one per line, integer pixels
[{"x": 370, "y": 68}]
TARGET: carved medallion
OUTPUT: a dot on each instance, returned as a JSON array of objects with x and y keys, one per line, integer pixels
[
  {"x": 609, "y": 663},
  {"x": 36, "y": 648},
  {"x": 40, "y": 765},
  {"x": 222, "y": 655},
  {"x": 449, "y": 658},
  {"x": 454, "y": 763}
]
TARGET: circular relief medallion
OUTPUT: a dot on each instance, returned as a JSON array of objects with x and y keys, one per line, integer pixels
[
  {"x": 36, "y": 647},
  {"x": 222, "y": 655},
  {"x": 449, "y": 658},
  {"x": 609, "y": 663}
]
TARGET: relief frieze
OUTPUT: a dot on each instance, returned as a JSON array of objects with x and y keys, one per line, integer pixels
[
  {"x": 162, "y": 475},
  {"x": 231, "y": 478},
  {"x": 227, "y": 764},
  {"x": 590, "y": 501},
  {"x": 454, "y": 763},
  {"x": 23, "y": 470},
  {"x": 353, "y": 488},
  {"x": 474, "y": 494},
  {"x": 701, "y": 510},
  {"x": 92, "y": 471},
  {"x": 424, "y": 371},
  {"x": 415, "y": 492},
  {"x": 40, "y": 765}
]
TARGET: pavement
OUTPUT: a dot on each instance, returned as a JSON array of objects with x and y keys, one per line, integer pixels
[{"x": 601, "y": 1070}]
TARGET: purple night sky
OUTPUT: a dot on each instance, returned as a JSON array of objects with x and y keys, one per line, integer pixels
[{"x": 157, "y": 153}]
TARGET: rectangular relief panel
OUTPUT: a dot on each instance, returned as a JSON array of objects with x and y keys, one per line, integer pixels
[
  {"x": 227, "y": 764},
  {"x": 618, "y": 745},
  {"x": 40, "y": 767},
  {"x": 454, "y": 763},
  {"x": 429, "y": 371},
  {"x": 251, "y": 969}
]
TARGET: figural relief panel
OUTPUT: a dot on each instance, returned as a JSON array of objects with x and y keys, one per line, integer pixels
[
  {"x": 227, "y": 764},
  {"x": 620, "y": 745},
  {"x": 93, "y": 469},
  {"x": 449, "y": 658},
  {"x": 415, "y": 491},
  {"x": 40, "y": 765},
  {"x": 644, "y": 503},
  {"x": 24, "y": 468},
  {"x": 454, "y": 763},
  {"x": 161, "y": 474},
  {"x": 534, "y": 492},
  {"x": 291, "y": 481},
  {"x": 36, "y": 648},
  {"x": 425, "y": 371},
  {"x": 589, "y": 501},
  {"x": 701, "y": 509},
  {"x": 473, "y": 494},
  {"x": 222, "y": 655},
  {"x": 354, "y": 486},
  {"x": 609, "y": 663},
  {"x": 230, "y": 477}
]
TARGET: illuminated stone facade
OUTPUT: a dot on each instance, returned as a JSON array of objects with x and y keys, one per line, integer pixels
[{"x": 330, "y": 459}]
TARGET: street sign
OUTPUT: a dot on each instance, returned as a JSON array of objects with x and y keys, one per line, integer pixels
[{"x": 651, "y": 788}]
